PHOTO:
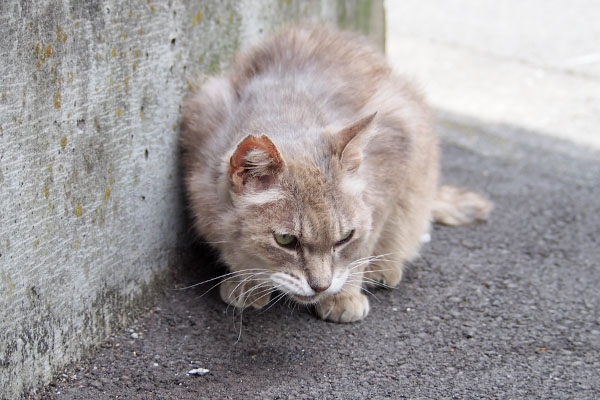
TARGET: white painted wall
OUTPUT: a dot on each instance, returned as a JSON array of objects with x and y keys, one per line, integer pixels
[{"x": 533, "y": 64}]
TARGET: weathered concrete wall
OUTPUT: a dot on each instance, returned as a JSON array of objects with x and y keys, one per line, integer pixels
[{"x": 90, "y": 208}]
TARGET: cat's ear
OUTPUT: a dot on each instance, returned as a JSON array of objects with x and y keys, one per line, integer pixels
[
  {"x": 346, "y": 143},
  {"x": 255, "y": 163}
]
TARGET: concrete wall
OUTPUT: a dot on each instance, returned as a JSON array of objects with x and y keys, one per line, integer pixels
[{"x": 91, "y": 214}]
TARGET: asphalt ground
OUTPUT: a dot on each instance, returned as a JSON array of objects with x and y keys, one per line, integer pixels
[{"x": 506, "y": 309}]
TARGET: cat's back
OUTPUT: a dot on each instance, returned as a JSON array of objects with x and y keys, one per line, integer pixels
[{"x": 342, "y": 58}]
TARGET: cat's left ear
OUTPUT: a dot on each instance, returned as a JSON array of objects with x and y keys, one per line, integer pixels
[
  {"x": 255, "y": 163},
  {"x": 347, "y": 146}
]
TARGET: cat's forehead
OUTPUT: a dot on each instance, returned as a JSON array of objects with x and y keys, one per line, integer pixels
[
  {"x": 315, "y": 203},
  {"x": 308, "y": 181}
]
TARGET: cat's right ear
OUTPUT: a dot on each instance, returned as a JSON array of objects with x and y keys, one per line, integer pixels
[
  {"x": 255, "y": 164},
  {"x": 347, "y": 146}
]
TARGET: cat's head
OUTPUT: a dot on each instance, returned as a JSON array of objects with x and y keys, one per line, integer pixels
[{"x": 301, "y": 224}]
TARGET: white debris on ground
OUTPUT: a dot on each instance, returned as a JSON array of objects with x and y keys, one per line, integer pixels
[{"x": 198, "y": 371}]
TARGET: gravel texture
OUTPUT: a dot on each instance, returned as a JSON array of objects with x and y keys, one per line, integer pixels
[{"x": 503, "y": 309}]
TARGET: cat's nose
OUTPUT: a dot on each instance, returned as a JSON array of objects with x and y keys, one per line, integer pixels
[{"x": 320, "y": 286}]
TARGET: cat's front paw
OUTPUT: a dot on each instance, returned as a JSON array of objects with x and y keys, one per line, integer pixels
[
  {"x": 344, "y": 307},
  {"x": 242, "y": 295}
]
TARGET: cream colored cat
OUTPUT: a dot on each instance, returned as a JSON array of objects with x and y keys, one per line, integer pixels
[{"x": 314, "y": 170}]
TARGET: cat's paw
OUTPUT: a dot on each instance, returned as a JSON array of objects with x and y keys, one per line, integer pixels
[
  {"x": 343, "y": 307},
  {"x": 377, "y": 276},
  {"x": 242, "y": 295}
]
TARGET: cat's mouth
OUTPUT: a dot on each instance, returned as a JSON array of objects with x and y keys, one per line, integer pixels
[{"x": 305, "y": 299}]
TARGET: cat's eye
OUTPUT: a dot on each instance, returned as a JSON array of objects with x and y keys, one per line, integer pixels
[
  {"x": 285, "y": 239},
  {"x": 347, "y": 236}
]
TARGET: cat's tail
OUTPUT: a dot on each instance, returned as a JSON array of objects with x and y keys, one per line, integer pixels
[{"x": 455, "y": 206}]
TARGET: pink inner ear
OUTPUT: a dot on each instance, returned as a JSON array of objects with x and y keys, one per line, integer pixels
[{"x": 239, "y": 168}]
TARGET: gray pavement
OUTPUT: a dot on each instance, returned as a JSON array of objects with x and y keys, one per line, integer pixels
[{"x": 503, "y": 309}]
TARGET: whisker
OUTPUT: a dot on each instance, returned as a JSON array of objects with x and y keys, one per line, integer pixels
[
  {"x": 269, "y": 291},
  {"x": 243, "y": 307},
  {"x": 374, "y": 256},
  {"x": 366, "y": 279},
  {"x": 377, "y": 256},
  {"x": 246, "y": 279},
  {"x": 241, "y": 325},
  {"x": 294, "y": 305},
  {"x": 376, "y": 283},
  {"x": 273, "y": 301},
  {"x": 369, "y": 272},
  {"x": 249, "y": 291},
  {"x": 218, "y": 277},
  {"x": 262, "y": 292},
  {"x": 217, "y": 284},
  {"x": 368, "y": 260}
]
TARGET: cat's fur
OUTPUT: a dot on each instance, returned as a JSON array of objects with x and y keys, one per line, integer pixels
[{"x": 310, "y": 134}]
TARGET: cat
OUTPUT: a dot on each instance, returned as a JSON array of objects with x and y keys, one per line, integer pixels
[{"x": 313, "y": 169}]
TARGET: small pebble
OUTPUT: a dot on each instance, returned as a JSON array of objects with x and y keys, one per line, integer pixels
[{"x": 198, "y": 371}]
